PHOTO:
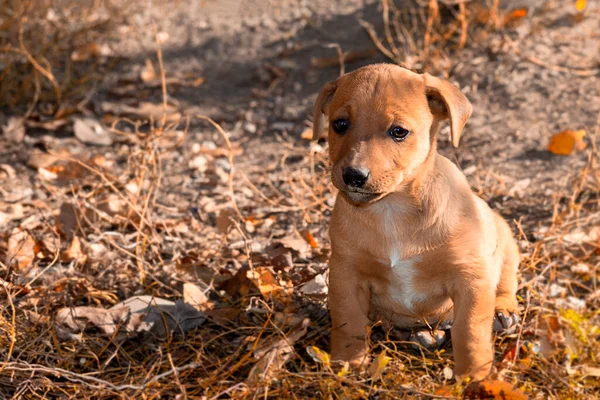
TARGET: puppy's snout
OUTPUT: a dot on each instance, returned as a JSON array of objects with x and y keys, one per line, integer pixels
[{"x": 355, "y": 177}]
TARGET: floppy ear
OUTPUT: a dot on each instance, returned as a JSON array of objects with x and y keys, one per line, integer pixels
[
  {"x": 447, "y": 101},
  {"x": 322, "y": 109}
]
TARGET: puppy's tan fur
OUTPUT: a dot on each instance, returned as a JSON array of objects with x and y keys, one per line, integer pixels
[{"x": 414, "y": 245}]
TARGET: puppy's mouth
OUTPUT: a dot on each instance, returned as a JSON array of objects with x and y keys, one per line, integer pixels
[{"x": 358, "y": 197}]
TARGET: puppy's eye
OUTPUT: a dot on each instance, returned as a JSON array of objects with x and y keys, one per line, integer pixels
[
  {"x": 398, "y": 133},
  {"x": 340, "y": 125}
]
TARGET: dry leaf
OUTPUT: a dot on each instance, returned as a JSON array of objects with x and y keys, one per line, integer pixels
[
  {"x": 317, "y": 285},
  {"x": 590, "y": 371},
  {"x": 514, "y": 16},
  {"x": 40, "y": 159},
  {"x": 90, "y": 50},
  {"x": 268, "y": 286},
  {"x": 91, "y": 131},
  {"x": 307, "y": 134},
  {"x": 67, "y": 220},
  {"x": 567, "y": 141},
  {"x": 162, "y": 316},
  {"x": 22, "y": 249},
  {"x": 297, "y": 243},
  {"x": 14, "y": 130},
  {"x": 224, "y": 220},
  {"x": 223, "y": 316},
  {"x": 444, "y": 390},
  {"x": 148, "y": 72},
  {"x": 274, "y": 356},
  {"x": 580, "y": 5},
  {"x": 76, "y": 319},
  {"x": 74, "y": 253},
  {"x": 310, "y": 239},
  {"x": 378, "y": 365},
  {"x": 492, "y": 389},
  {"x": 318, "y": 355},
  {"x": 195, "y": 296}
]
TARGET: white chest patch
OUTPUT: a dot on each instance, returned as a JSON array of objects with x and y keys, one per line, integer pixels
[{"x": 403, "y": 288}]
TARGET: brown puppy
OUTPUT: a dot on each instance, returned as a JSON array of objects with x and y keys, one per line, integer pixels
[{"x": 411, "y": 244}]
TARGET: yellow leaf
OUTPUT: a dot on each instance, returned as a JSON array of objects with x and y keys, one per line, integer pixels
[
  {"x": 318, "y": 355},
  {"x": 580, "y": 5},
  {"x": 378, "y": 365},
  {"x": 565, "y": 142},
  {"x": 345, "y": 370}
]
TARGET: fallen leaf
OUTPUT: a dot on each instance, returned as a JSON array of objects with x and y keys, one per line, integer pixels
[
  {"x": 91, "y": 131},
  {"x": 67, "y": 220},
  {"x": 239, "y": 285},
  {"x": 90, "y": 50},
  {"x": 317, "y": 285},
  {"x": 74, "y": 253},
  {"x": 197, "y": 82},
  {"x": 514, "y": 16},
  {"x": 310, "y": 239},
  {"x": 444, "y": 390},
  {"x": 307, "y": 134},
  {"x": 224, "y": 315},
  {"x": 224, "y": 220},
  {"x": 40, "y": 159},
  {"x": 318, "y": 355},
  {"x": 493, "y": 389},
  {"x": 565, "y": 142},
  {"x": 590, "y": 371},
  {"x": 297, "y": 243},
  {"x": 273, "y": 356},
  {"x": 196, "y": 297},
  {"x": 148, "y": 72},
  {"x": 162, "y": 316},
  {"x": 268, "y": 286},
  {"x": 14, "y": 130},
  {"x": 21, "y": 249},
  {"x": 580, "y": 5},
  {"x": 378, "y": 365},
  {"x": 551, "y": 334},
  {"x": 76, "y": 319}
]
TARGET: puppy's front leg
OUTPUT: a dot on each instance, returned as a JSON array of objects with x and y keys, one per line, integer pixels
[
  {"x": 474, "y": 299},
  {"x": 349, "y": 301}
]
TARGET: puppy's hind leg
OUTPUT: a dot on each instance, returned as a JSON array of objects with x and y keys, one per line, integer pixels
[{"x": 507, "y": 314}]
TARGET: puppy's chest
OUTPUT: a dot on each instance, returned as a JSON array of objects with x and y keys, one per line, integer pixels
[{"x": 403, "y": 260}]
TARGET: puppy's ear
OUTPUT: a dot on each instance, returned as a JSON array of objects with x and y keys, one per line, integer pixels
[
  {"x": 447, "y": 101},
  {"x": 322, "y": 108}
]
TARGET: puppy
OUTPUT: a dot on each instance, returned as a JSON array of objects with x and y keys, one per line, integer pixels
[{"x": 411, "y": 244}]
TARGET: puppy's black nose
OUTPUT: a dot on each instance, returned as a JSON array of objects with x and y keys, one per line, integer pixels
[{"x": 355, "y": 177}]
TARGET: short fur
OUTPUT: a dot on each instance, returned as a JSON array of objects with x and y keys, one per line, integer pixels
[{"x": 414, "y": 245}]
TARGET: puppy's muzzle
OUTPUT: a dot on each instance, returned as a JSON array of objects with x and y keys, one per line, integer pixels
[{"x": 355, "y": 177}]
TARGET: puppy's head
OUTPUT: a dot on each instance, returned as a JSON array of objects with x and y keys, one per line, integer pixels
[{"x": 380, "y": 126}]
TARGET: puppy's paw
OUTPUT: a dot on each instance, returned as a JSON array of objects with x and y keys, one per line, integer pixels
[
  {"x": 357, "y": 356},
  {"x": 505, "y": 321},
  {"x": 431, "y": 340}
]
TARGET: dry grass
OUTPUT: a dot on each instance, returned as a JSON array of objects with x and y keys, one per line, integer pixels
[{"x": 153, "y": 246}]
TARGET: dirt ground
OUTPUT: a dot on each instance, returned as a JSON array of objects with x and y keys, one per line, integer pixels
[{"x": 245, "y": 222}]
